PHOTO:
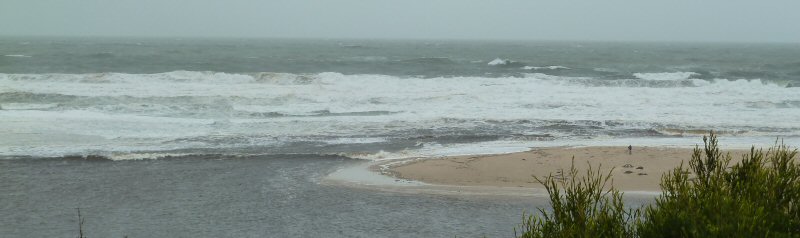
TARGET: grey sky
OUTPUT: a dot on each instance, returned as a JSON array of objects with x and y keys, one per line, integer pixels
[{"x": 626, "y": 20}]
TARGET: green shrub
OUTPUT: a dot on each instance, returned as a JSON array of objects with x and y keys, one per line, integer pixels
[
  {"x": 585, "y": 209},
  {"x": 757, "y": 197}
]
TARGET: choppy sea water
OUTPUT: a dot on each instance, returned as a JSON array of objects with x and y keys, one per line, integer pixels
[
  {"x": 145, "y": 98},
  {"x": 324, "y": 100}
]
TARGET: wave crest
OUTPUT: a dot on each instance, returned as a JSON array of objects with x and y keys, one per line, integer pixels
[
  {"x": 505, "y": 63},
  {"x": 665, "y": 76},
  {"x": 551, "y": 67}
]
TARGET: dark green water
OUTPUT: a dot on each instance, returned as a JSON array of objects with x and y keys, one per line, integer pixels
[{"x": 772, "y": 62}]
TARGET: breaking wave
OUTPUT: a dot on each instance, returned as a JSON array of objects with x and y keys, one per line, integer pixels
[
  {"x": 206, "y": 112},
  {"x": 504, "y": 63},
  {"x": 551, "y": 67},
  {"x": 665, "y": 76}
]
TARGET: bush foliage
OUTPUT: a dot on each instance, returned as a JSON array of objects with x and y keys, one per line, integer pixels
[
  {"x": 756, "y": 197},
  {"x": 588, "y": 207}
]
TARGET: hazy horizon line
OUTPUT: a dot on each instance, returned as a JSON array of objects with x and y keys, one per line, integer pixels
[{"x": 397, "y": 39}]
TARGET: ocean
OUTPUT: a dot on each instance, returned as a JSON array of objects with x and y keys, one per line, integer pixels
[{"x": 230, "y": 137}]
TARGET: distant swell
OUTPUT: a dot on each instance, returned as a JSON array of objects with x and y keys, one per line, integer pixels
[
  {"x": 175, "y": 76},
  {"x": 18, "y": 56},
  {"x": 430, "y": 61},
  {"x": 674, "y": 79}
]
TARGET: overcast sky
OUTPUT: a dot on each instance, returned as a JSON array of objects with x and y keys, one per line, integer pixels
[{"x": 606, "y": 20}]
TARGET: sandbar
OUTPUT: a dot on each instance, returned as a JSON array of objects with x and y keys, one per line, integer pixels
[{"x": 637, "y": 170}]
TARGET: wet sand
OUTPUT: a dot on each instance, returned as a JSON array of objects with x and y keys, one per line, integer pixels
[{"x": 637, "y": 170}]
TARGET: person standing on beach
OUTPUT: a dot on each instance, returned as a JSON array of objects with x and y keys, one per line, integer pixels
[{"x": 630, "y": 149}]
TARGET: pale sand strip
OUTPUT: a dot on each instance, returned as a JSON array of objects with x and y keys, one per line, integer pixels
[
  {"x": 517, "y": 169},
  {"x": 368, "y": 176}
]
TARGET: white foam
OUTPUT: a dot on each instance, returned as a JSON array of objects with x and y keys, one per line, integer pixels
[
  {"x": 609, "y": 70},
  {"x": 665, "y": 76},
  {"x": 432, "y": 150},
  {"x": 551, "y": 67},
  {"x": 27, "y": 106},
  {"x": 109, "y": 126},
  {"x": 142, "y": 156},
  {"x": 361, "y": 175},
  {"x": 351, "y": 140},
  {"x": 499, "y": 61},
  {"x": 227, "y": 100},
  {"x": 18, "y": 56}
]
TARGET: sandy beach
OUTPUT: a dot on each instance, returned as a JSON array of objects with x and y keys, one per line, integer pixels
[{"x": 639, "y": 170}]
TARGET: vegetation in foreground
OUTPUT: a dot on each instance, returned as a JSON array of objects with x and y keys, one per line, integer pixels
[{"x": 757, "y": 197}]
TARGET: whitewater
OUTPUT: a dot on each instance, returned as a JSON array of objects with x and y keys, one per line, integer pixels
[{"x": 124, "y": 116}]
